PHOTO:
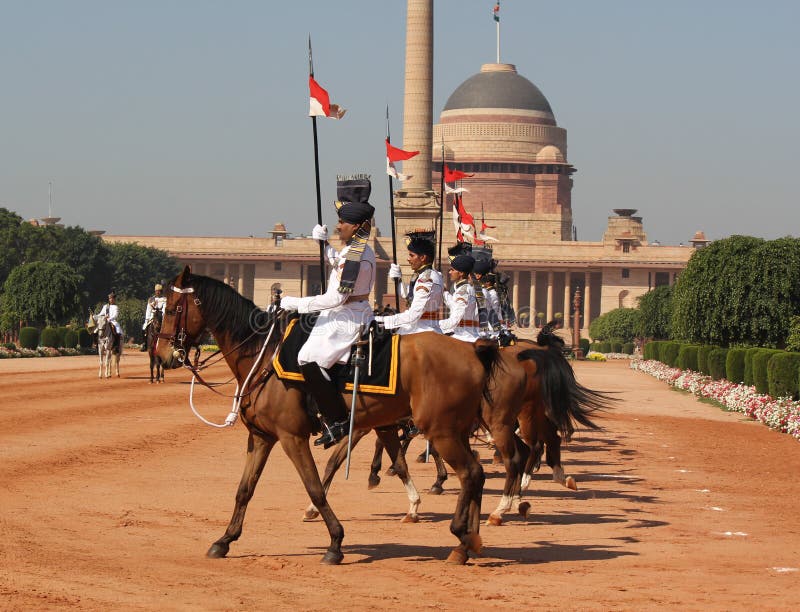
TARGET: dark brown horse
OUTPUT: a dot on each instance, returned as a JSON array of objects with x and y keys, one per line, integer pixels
[
  {"x": 440, "y": 384},
  {"x": 150, "y": 336}
]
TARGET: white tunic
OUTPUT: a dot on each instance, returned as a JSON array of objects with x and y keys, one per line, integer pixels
[
  {"x": 153, "y": 304},
  {"x": 463, "y": 320},
  {"x": 340, "y": 318},
  {"x": 423, "y": 313},
  {"x": 110, "y": 312}
]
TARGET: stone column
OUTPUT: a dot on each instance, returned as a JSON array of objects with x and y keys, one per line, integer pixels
[
  {"x": 240, "y": 283},
  {"x": 227, "y": 277},
  {"x": 566, "y": 318},
  {"x": 549, "y": 309},
  {"x": 587, "y": 301},
  {"x": 515, "y": 295}
]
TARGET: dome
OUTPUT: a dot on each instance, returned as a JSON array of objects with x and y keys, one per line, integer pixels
[
  {"x": 550, "y": 154},
  {"x": 498, "y": 86}
]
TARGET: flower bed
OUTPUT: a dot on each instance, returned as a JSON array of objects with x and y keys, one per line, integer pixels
[
  {"x": 43, "y": 351},
  {"x": 780, "y": 414}
]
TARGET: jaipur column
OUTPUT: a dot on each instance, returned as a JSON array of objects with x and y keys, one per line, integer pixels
[
  {"x": 549, "y": 309},
  {"x": 532, "y": 300},
  {"x": 587, "y": 301},
  {"x": 515, "y": 295},
  {"x": 566, "y": 318}
]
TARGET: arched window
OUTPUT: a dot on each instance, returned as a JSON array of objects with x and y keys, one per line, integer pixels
[{"x": 624, "y": 299}]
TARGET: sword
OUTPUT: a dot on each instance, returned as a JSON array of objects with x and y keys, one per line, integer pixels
[{"x": 358, "y": 359}]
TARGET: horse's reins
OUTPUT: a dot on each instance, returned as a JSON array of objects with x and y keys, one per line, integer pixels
[{"x": 177, "y": 340}]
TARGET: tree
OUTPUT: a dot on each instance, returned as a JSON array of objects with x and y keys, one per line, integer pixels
[
  {"x": 618, "y": 324},
  {"x": 135, "y": 269},
  {"x": 655, "y": 308},
  {"x": 43, "y": 293},
  {"x": 10, "y": 251}
]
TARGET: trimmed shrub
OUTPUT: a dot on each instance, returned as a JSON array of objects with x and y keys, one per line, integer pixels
[
  {"x": 649, "y": 349},
  {"x": 70, "y": 339},
  {"x": 687, "y": 357},
  {"x": 84, "y": 338},
  {"x": 584, "y": 343},
  {"x": 616, "y": 347},
  {"x": 716, "y": 363},
  {"x": 669, "y": 353},
  {"x": 62, "y": 332},
  {"x": 783, "y": 370},
  {"x": 760, "y": 361},
  {"x": 627, "y": 348},
  {"x": 748, "y": 365},
  {"x": 702, "y": 359},
  {"x": 734, "y": 365},
  {"x": 29, "y": 338},
  {"x": 605, "y": 347},
  {"x": 49, "y": 337}
]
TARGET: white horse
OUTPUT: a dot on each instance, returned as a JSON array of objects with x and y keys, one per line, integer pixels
[{"x": 105, "y": 339}]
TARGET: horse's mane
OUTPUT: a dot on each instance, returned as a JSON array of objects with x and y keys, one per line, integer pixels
[{"x": 224, "y": 308}]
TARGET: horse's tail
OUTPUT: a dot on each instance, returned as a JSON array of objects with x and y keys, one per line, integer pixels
[
  {"x": 566, "y": 400},
  {"x": 488, "y": 354}
]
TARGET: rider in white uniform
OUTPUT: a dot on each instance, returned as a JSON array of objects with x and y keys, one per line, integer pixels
[
  {"x": 344, "y": 309},
  {"x": 156, "y": 302},
  {"x": 425, "y": 289},
  {"x": 110, "y": 311},
  {"x": 463, "y": 322}
]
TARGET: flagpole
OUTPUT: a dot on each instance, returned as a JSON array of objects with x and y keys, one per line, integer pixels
[
  {"x": 497, "y": 23},
  {"x": 441, "y": 210},
  {"x": 391, "y": 214},
  {"x": 316, "y": 174}
]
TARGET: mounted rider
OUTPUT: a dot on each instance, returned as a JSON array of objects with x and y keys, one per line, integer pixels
[
  {"x": 343, "y": 309},
  {"x": 155, "y": 302},
  {"x": 110, "y": 311},
  {"x": 463, "y": 323},
  {"x": 424, "y": 292}
]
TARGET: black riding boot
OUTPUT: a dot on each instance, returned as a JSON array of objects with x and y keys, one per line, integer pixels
[{"x": 330, "y": 404}]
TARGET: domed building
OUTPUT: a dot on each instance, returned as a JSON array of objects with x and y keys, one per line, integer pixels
[{"x": 499, "y": 126}]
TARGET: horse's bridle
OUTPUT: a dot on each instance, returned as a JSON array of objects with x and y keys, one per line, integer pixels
[{"x": 181, "y": 312}]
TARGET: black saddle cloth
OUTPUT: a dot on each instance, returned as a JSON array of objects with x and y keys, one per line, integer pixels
[{"x": 384, "y": 357}]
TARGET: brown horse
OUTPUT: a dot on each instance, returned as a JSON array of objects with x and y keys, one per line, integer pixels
[
  {"x": 150, "y": 337},
  {"x": 440, "y": 384}
]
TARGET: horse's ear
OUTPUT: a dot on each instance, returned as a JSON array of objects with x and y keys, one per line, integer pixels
[{"x": 184, "y": 273}]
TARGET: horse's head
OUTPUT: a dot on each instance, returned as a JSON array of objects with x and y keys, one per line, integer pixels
[
  {"x": 101, "y": 325},
  {"x": 182, "y": 323}
]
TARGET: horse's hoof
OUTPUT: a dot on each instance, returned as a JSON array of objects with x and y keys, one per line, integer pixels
[
  {"x": 570, "y": 483},
  {"x": 332, "y": 558},
  {"x": 474, "y": 543},
  {"x": 420, "y": 458},
  {"x": 457, "y": 556},
  {"x": 373, "y": 481},
  {"x": 524, "y": 509},
  {"x": 436, "y": 490},
  {"x": 494, "y": 520},
  {"x": 410, "y": 518},
  {"x": 151, "y": 382},
  {"x": 525, "y": 482},
  {"x": 310, "y": 515},
  {"x": 217, "y": 551}
]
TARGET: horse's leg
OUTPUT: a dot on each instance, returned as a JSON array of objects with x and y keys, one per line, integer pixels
[
  {"x": 116, "y": 361},
  {"x": 467, "y": 516},
  {"x": 403, "y": 448},
  {"x": 441, "y": 473},
  {"x": 553, "y": 458},
  {"x": 297, "y": 449},
  {"x": 152, "y": 364},
  {"x": 392, "y": 444},
  {"x": 375, "y": 467},
  {"x": 505, "y": 442},
  {"x": 258, "y": 449},
  {"x": 335, "y": 461},
  {"x": 528, "y": 433}
]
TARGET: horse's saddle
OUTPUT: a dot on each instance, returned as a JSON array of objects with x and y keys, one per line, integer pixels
[{"x": 378, "y": 374}]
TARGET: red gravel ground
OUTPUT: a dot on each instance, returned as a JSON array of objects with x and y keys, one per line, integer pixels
[{"x": 111, "y": 492}]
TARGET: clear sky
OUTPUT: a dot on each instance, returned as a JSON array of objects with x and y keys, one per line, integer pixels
[{"x": 189, "y": 117}]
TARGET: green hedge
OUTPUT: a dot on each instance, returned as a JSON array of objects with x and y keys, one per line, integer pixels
[
  {"x": 702, "y": 358},
  {"x": 748, "y": 365},
  {"x": 605, "y": 347},
  {"x": 734, "y": 365},
  {"x": 669, "y": 353},
  {"x": 70, "y": 339},
  {"x": 687, "y": 357},
  {"x": 49, "y": 337},
  {"x": 84, "y": 338},
  {"x": 29, "y": 338},
  {"x": 62, "y": 333},
  {"x": 627, "y": 348},
  {"x": 783, "y": 370},
  {"x": 716, "y": 363},
  {"x": 616, "y": 347},
  {"x": 584, "y": 344},
  {"x": 760, "y": 362}
]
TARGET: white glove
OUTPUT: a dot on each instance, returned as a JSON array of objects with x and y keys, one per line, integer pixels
[
  {"x": 378, "y": 320},
  {"x": 394, "y": 272},
  {"x": 290, "y": 303},
  {"x": 320, "y": 232}
]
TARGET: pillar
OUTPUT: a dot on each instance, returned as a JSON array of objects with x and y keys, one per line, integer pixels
[
  {"x": 532, "y": 300},
  {"x": 587, "y": 301},
  {"x": 240, "y": 283},
  {"x": 567, "y": 301},
  {"x": 549, "y": 309},
  {"x": 515, "y": 295}
]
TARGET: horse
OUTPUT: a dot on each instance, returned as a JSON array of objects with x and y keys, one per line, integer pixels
[
  {"x": 534, "y": 388},
  {"x": 105, "y": 345},
  {"x": 443, "y": 406},
  {"x": 150, "y": 335}
]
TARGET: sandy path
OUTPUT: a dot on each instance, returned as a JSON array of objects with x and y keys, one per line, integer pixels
[{"x": 111, "y": 492}]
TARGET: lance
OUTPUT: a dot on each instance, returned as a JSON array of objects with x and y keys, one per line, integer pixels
[
  {"x": 316, "y": 174},
  {"x": 441, "y": 210},
  {"x": 391, "y": 213},
  {"x": 358, "y": 360}
]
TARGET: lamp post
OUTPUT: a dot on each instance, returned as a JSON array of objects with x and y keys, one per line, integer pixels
[{"x": 576, "y": 325}]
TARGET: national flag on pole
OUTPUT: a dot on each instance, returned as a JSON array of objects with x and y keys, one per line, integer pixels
[
  {"x": 320, "y": 103},
  {"x": 393, "y": 154},
  {"x": 450, "y": 176},
  {"x": 463, "y": 221},
  {"x": 496, "y": 11}
]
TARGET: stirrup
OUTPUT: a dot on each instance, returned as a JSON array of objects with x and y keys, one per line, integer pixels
[{"x": 333, "y": 433}]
